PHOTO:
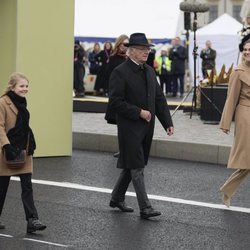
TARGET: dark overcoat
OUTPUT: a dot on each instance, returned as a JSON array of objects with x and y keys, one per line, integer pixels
[
  {"x": 101, "y": 80},
  {"x": 178, "y": 55},
  {"x": 114, "y": 61},
  {"x": 131, "y": 90},
  {"x": 208, "y": 58}
]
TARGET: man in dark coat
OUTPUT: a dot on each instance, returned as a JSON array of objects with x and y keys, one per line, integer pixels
[
  {"x": 178, "y": 55},
  {"x": 208, "y": 56},
  {"x": 136, "y": 97}
]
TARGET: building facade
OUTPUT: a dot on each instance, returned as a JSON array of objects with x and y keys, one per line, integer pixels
[{"x": 219, "y": 7}]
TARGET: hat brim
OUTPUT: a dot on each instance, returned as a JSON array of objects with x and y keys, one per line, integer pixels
[{"x": 139, "y": 44}]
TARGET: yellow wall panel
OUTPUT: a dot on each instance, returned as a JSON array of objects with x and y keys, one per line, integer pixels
[
  {"x": 44, "y": 52},
  {"x": 8, "y": 25}
]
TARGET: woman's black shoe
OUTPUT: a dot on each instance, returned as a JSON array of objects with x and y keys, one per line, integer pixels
[{"x": 34, "y": 225}]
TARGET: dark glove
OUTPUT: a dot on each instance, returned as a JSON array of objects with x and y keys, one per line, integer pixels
[{"x": 10, "y": 152}]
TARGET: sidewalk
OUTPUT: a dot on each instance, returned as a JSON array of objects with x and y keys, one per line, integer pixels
[{"x": 193, "y": 140}]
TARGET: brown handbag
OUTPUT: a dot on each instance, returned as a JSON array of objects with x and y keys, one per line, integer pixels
[{"x": 18, "y": 162}]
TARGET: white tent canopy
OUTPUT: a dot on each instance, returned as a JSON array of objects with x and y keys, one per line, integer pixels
[
  {"x": 224, "y": 35},
  {"x": 158, "y": 19}
]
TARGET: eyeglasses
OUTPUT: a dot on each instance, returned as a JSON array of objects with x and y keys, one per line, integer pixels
[{"x": 143, "y": 49}]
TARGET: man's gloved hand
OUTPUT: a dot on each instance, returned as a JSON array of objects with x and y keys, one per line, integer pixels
[{"x": 10, "y": 152}]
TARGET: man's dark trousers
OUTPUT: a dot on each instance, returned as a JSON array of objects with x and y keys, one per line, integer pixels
[
  {"x": 137, "y": 177},
  {"x": 175, "y": 84}
]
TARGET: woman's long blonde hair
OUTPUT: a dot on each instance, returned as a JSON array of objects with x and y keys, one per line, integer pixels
[
  {"x": 14, "y": 77},
  {"x": 118, "y": 42}
]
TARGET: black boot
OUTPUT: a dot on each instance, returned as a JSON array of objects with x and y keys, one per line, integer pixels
[
  {"x": 34, "y": 224},
  {"x": 2, "y": 226}
]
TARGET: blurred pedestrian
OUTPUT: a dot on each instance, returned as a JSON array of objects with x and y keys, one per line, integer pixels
[
  {"x": 79, "y": 69},
  {"x": 238, "y": 105},
  {"x": 16, "y": 135},
  {"x": 118, "y": 56},
  {"x": 208, "y": 56},
  {"x": 93, "y": 64},
  {"x": 178, "y": 55},
  {"x": 163, "y": 70},
  {"x": 151, "y": 55},
  {"x": 101, "y": 84},
  {"x": 136, "y": 98}
]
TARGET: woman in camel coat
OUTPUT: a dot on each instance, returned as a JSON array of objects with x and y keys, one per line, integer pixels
[
  {"x": 238, "y": 103},
  {"x": 15, "y": 134}
]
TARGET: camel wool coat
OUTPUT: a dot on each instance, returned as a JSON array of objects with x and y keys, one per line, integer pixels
[
  {"x": 8, "y": 115},
  {"x": 238, "y": 103}
]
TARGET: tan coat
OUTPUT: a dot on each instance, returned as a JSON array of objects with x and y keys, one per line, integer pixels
[
  {"x": 238, "y": 101},
  {"x": 8, "y": 115}
]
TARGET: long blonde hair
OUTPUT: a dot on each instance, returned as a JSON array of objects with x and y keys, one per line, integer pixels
[
  {"x": 14, "y": 77},
  {"x": 118, "y": 42}
]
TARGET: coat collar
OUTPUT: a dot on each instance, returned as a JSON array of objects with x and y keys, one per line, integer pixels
[
  {"x": 243, "y": 67},
  {"x": 10, "y": 104},
  {"x": 135, "y": 67}
]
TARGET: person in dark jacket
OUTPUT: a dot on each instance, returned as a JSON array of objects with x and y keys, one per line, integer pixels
[
  {"x": 136, "y": 97},
  {"x": 93, "y": 64},
  {"x": 208, "y": 56},
  {"x": 101, "y": 84},
  {"x": 178, "y": 55},
  {"x": 118, "y": 55},
  {"x": 16, "y": 135},
  {"x": 151, "y": 55},
  {"x": 79, "y": 70}
]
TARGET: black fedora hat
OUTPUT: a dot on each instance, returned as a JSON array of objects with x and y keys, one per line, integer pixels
[
  {"x": 244, "y": 39},
  {"x": 138, "y": 39}
]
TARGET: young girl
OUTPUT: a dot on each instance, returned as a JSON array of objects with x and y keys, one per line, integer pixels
[{"x": 15, "y": 135}]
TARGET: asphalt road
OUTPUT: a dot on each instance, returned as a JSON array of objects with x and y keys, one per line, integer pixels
[{"x": 78, "y": 216}]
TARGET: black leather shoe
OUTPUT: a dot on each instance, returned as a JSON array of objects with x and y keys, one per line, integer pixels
[
  {"x": 2, "y": 226},
  {"x": 116, "y": 155},
  {"x": 122, "y": 206},
  {"x": 149, "y": 212},
  {"x": 34, "y": 225}
]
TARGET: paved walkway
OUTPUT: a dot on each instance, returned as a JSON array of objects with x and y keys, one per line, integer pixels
[
  {"x": 193, "y": 140},
  {"x": 186, "y": 129}
]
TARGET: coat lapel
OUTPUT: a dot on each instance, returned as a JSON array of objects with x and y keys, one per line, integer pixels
[{"x": 11, "y": 105}]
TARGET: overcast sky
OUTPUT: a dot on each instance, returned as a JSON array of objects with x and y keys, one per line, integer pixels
[{"x": 111, "y": 18}]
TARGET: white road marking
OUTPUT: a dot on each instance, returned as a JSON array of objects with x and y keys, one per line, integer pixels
[
  {"x": 46, "y": 242},
  {"x": 153, "y": 197},
  {"x": 6, "y": 235},
  {"x": 39, "y": 241}
]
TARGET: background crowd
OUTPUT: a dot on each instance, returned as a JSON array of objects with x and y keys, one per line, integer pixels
[{"x": 169, "y": 65}]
